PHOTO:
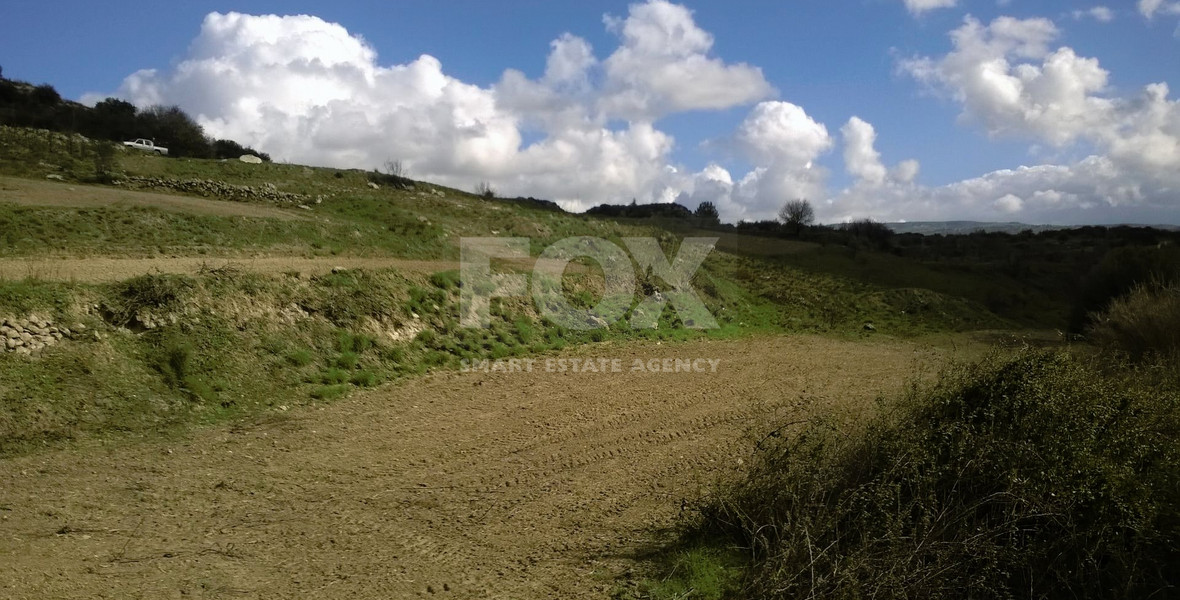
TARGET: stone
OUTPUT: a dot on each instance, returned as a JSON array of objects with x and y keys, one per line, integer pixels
[
  {"x": 10, "y": 344},
  {"x": 79, "y": 327},
  {"x": 374, "y": 186},
  {"x": 55, "y": 177},
  {"x": 870, "y": 327},
  {"x": 250, "y": 159}
]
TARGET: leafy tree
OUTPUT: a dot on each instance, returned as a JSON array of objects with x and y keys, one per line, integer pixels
[
  {"x": 175, "y": 130},
  {"x": 232, "y": 149},
  {"x": 797, "y": 214},
  {"x": 877, "y": 234},
  {"x": 112, "y": 119},
  {"x": 707, "y": 213},
  {"x": 46, "y": 95}
]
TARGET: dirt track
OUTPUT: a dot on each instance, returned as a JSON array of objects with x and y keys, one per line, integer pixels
[
  {"x": 27, "y": 192},
  {"x": 455, "y": 485},
  {"x": 97, "y": 270}
]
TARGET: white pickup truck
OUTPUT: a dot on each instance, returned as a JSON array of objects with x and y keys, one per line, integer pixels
[{"x": 146, "y": 146}]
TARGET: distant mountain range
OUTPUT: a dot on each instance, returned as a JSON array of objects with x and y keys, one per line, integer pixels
[{"x": 964, "y": 227}]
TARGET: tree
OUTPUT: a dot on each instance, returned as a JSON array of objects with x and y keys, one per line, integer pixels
[
  {"x": 175, "y": 130},
  {"x": 797, "y": 214},
  {"x": 485, "y": 190},
  {"x": 395, "y": 168},
  {"x": 875, "y": 233},
  {"x": 707, "y": 212},
  {"x": 113, "y": 119}
]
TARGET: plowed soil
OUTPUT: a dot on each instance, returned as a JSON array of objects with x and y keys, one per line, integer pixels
[{"x": 455, "y": 485}]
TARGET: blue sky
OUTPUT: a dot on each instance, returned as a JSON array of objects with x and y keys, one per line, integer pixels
[{"x": 821, "y": 64}]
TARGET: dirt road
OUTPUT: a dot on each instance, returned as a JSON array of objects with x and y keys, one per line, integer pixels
[
  {"x": 98, "y": 270},
  {"x": 455, "y": 485},
  {"x": 25, "y": 192}
]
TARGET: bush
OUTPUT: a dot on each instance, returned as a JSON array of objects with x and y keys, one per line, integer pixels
[
  {"x": 1035, "y": 476},
  {"x": 160, "y": 292},
  {"x": 1144, "y": 323},
  {"x": 1121, "y": 271}
]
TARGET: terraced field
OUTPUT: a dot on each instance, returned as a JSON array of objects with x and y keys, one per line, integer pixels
[{"x": 458, "y": 484}]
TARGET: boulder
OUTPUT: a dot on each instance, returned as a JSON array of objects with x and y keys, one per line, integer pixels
[{"x": 250, "y": 158}]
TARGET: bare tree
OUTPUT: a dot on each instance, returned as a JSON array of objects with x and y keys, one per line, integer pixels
[
  {"x": 797, "y": 214},
  {"x": 485, "y": 190},
  {"x": 395, "y": 168}
]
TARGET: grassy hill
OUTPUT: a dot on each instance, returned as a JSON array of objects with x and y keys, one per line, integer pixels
[
  {"x": 165, "y": 348},
  {"x": 247, "y": 290}
]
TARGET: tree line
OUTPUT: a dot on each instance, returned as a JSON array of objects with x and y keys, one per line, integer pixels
[{"x": 23, "y": 104}]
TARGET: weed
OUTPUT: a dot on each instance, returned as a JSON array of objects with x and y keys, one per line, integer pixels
[
  {"x": 329, "y": 392},
  {"x": 364, "y": 379},
  {"x": 300, "y": 358},
  {"x": 334, "y": 376},
  {"x": 347, "y": 361},
  {"x": 699, "y": 571}
]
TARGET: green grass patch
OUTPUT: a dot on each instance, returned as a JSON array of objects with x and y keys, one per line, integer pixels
[{"x": 700, "y": 571}]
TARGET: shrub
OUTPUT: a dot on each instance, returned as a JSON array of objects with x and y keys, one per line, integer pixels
[
  {"x": 1120, "y": 272},
  {"x": 1143, "y": 323},
  {"x": 364, "y": 379},
  {"x": 1035, "y": 476},
  {"x": 485, "y": 190},
  {"x": 347, "y": 360},
  {"x": 300, "y": 358},
  {"x": 160, "y": 292}
]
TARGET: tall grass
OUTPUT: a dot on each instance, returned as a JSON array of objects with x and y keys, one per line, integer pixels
[
  {"x": 1143, "y": 323},
  {"x": 1034, "y": 476}
]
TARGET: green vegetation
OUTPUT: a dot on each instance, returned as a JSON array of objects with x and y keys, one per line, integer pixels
[
  {"x": 1038, "y": 475},
  {"x": 697, "y": 571},
  {"x": 112, "y": 119},
  {"x": 1143, "y": 324}
]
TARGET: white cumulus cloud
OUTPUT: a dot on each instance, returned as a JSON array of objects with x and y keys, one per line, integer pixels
[
  {"x": 662, "y": 66},
  {"x": 307, "y": 90},
  {"x": 1010, "y": 83},
  {"x": 861, "y": 158}
]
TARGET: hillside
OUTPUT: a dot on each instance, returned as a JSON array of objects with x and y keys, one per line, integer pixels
[{"x": 258, "y": 374}]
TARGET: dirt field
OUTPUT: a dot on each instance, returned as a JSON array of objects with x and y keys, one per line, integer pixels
[{"x": 455, "y": 485}]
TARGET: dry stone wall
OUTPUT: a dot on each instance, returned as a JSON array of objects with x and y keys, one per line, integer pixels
[
  {"x": 266, "y": 192},
  {"x": 30, "y": 335}
]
